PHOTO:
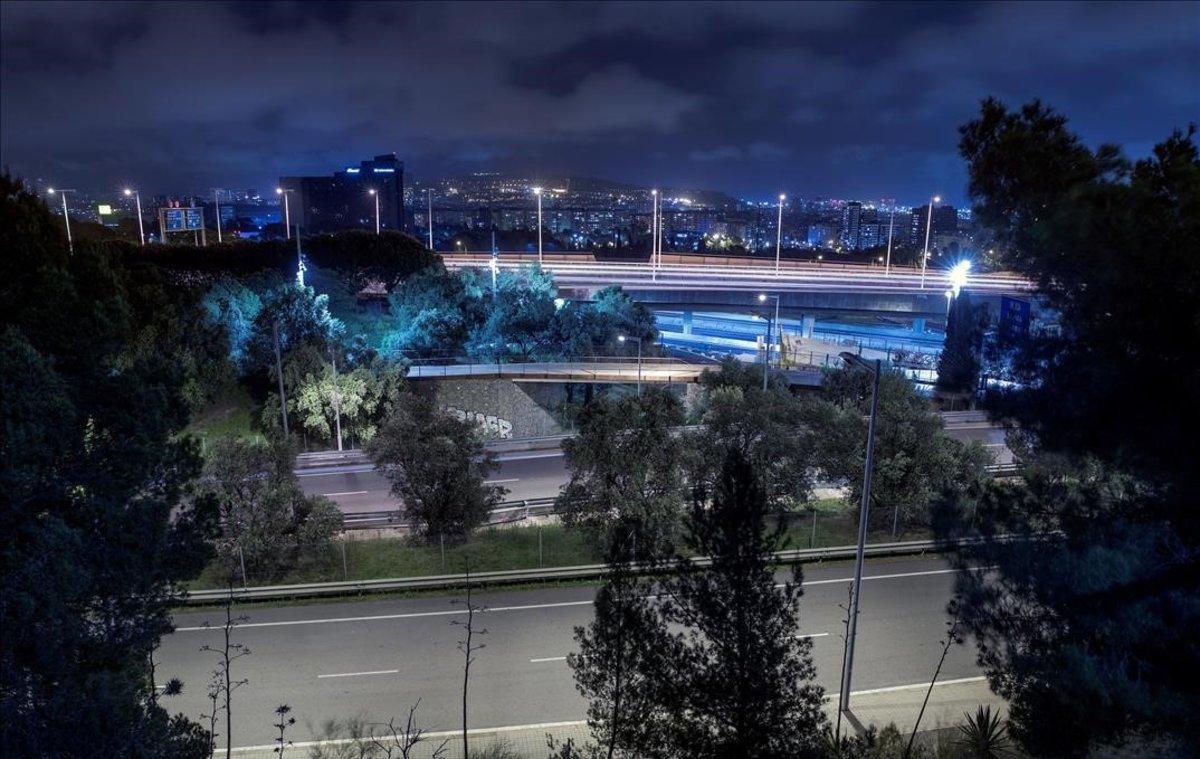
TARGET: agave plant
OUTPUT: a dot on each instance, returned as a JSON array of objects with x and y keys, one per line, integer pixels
[{"x": 984, "y": 736}]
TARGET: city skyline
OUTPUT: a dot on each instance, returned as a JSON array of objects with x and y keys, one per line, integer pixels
[{"x": 849, "y": 101}]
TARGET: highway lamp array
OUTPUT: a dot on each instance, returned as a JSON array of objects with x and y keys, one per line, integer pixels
[
  {"x": 217, "y": 211},
  {"x": 66, "y": 216},
  {"x": 137, "y": 197},
  {"x": 375, "y": 195}
]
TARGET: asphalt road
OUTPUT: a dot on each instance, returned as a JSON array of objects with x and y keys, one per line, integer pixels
[
  {"x": 527, "y": 474},
  {"x": 377, "y": 657}
]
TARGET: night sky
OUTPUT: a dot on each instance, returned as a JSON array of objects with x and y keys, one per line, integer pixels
[{"x": 841, "y": 100}]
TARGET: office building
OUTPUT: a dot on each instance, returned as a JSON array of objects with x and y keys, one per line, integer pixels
[
  {"x": 343, "y": 200},
  {"x": 851, "y": 222},
  {"x": 945, "y": 222}
]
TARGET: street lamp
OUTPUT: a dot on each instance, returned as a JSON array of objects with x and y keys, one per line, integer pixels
[
  {"x": 958, "y": 276},
  {"x": 762, "y": 298},
  {"x": 654, "y": 231},
  {"x": 887, "y": 266},
  {"x": 622, "y": 338},
  {"x": 137, "y": 197},
  {"x": 779, "y": 232},
  {"x": 538, "y": 192},
  {"x": 928, "y": 227},
  {"x": 376, "y": 196},
  {"x": 66, "y": 217},
  {"x": 429, "y": 215},
  {"x": 856, "y": 587},
  {"x": 287, "y": 215},
  {"x": 217, "y": 210}
]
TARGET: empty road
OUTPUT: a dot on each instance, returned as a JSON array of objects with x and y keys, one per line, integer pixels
[{"x": 376, "y": 657}]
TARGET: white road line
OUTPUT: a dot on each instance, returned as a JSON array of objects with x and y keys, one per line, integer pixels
[
  {"x": 811, "y": 635},
  {"x": 409, "y": 615},
  {"x": 914, "y": 686},
  {"x": 522, "y": 607},
  {"x": 357, "y": 674},
  {"x": 349, "y": 492},
  {"x": 501, "y": 482},
  {"x": 548, "y": 658}
]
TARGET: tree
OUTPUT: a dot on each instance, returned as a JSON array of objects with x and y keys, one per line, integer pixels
[
  {"x": 520, "y": 317},
  {"x": 626, "y": 466},
  {"x": 468, "y": 646},
  {"x": 915, "y": 461},
  {"x": 959, "y": 361},
  {"x": 97, "y": 536},
  {"x": 1086, "y": 627},
  {"x": 434, "y": 313},
  {"x": 302, "y": 317},
  {"x": 436, "y": 465},
  {"x": 716, "y": 668},
  {"x": 227, "y": 654},
  {"x": 266, "y": 519},
  {"x": 772, "y": 428}
]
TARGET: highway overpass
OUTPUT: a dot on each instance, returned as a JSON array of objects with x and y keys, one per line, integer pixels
[{"x": 703, "y": 283}]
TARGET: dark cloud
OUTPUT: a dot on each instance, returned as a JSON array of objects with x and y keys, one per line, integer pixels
[{"x": 844, "y": 99}]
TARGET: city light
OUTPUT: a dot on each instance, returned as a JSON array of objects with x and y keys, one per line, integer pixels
[{"x": 958, "y": 276}]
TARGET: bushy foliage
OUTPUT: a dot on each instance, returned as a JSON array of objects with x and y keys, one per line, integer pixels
[
  {"x": 1088, "y": 628},
  {"x": 266, "y": 519},
  {"x": 97, "y": 535}
]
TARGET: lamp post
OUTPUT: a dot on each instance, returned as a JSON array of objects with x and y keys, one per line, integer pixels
[
  {"x": 429, "y": 214},
  {"x": 217, "y": 210},
  {"x": 887, "y": 267},
  {"x": 779, "y": 234},
  {"x": 856, "y": 587},
  {"x": 137, "y": 197},
  {"x": 66, "y": 216},
  {"x": 928, "y": 227},
  {"x": 287, "y": 215},
  {"x": 376, "y": 196},
  {"x": 538, "y": 192},
  {"x": 762, "y": 298},
  {"x": 622, "y": 339},
  {"x": 337, "y": 397},
  {"x": 654, "y": 231}
]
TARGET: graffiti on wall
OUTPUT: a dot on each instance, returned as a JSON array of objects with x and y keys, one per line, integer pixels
[{"x": 494, "y": 425}]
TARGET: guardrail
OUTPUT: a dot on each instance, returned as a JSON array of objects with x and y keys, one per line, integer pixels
[{"x": 517, "y": 576}]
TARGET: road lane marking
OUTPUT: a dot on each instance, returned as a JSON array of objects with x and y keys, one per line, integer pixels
[
  {"x": 349, "y": 492},
  {"x": 548, "y": 658},
  {"x": 500, "y": 482},
  {"x": 811, "y": 635},
  {"x": 914, "y": 686},
  {"x": 525, "y": 607},
  {"x": 526, "y": 456},
  {"x": 359, "y": 674}
]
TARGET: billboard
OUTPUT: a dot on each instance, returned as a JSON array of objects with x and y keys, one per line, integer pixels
[
  {"x": 181, "y": 219},
  {"x": 1014, "y": 320}
]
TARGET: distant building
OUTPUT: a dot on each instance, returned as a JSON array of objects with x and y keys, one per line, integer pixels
[
  {"x": 343, "y": 200},
  {"x": 945, "y": 222},
  {"x": 851, "y": 224}
]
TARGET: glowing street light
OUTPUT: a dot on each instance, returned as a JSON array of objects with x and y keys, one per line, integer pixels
[
  {"x": 375, "y": 195},
  {"x": 538, "y": 192},
  {"x": 928, "y": 228},
  {"x": 287, "y": 216},
  {"x": 66, "y": 217},
  {"x": 958, "y": 276},
  {"x": 137, "y": 197},
  {"x": 762, "y": 298},
  {"x": 779, "y": 232},
  {"x": 622, "y": 338}
]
